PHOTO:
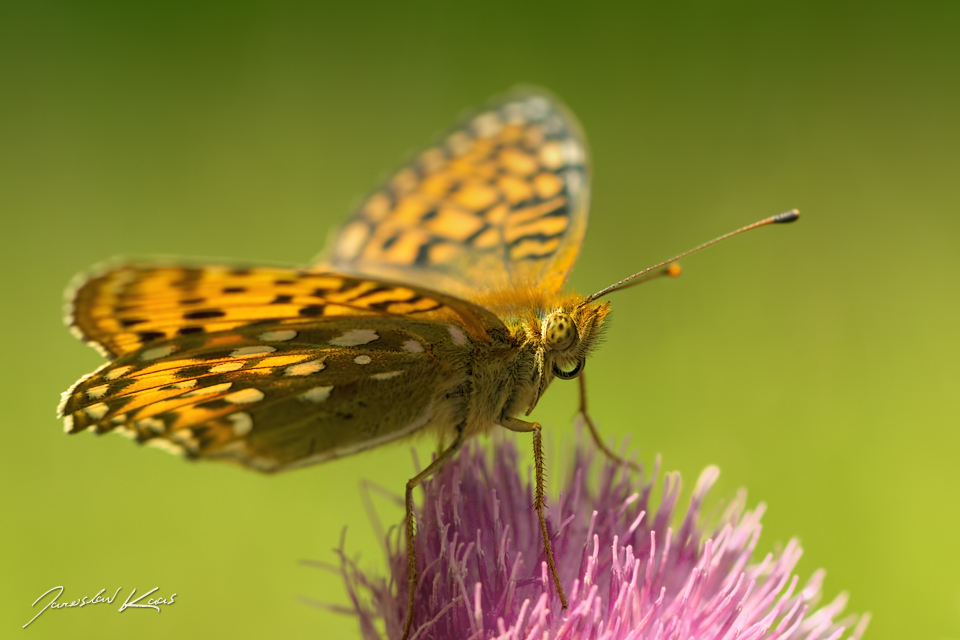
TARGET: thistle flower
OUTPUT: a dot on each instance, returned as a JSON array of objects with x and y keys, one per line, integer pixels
[{"x": 627, "y": 572}]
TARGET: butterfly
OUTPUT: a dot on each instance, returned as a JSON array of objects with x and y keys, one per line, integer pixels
[{"x": 438, "y": 307}]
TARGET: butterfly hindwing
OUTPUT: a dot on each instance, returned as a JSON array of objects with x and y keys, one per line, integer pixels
[
  {"x": 261, "y": 382},
  {"x": 500, "y": 201}
]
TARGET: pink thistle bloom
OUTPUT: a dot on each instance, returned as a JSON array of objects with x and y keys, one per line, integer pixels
[{"x": 627, "y": 573}]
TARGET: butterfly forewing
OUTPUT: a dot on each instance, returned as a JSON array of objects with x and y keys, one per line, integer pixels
[
  {"x": 500, "y": 201},
  {"x": 125, "y": 309},
  {"x": 278, "y": 368}
]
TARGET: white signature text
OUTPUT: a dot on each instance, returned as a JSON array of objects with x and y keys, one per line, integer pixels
[{"x": 129, "y": 603}]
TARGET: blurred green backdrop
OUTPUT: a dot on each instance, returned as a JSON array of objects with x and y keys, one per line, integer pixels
[{"x": 816, "y": 364}]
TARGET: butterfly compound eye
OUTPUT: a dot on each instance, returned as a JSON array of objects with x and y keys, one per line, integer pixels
[{"x": 559, "y": 331}]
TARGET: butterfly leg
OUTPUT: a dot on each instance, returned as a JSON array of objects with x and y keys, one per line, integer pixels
[
  {"x": 540, "y": 502},
  {"x": 442, "y": 458},
  {"x": 607, "y": 451}
]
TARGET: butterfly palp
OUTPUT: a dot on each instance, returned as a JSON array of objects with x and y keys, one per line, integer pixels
[{"x": 569, "y": 375}]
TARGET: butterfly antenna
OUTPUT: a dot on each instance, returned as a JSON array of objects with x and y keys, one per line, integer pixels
[{"x": 643, "y": 276}]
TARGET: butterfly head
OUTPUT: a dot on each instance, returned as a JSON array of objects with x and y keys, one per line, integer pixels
[
  {"x": 569, "y": 335},
  {"x": 566, "y": 337}
]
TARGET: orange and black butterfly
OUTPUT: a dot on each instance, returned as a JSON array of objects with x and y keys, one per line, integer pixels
[{"x": 438, "y": 306}]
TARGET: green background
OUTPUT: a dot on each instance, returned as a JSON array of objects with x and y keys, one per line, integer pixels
[{"x": 816, "y": 364}]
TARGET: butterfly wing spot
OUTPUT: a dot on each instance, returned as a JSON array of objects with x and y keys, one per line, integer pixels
[
  {"x": 278, "y": 336},
  {"x": 487, "y": 125},
  {"x": 95, "y": 393},
  {"x": 119, "y": 372},
  {"x": 547, "y": 185},
  {"x": 536, "y": 107},
  {"x": 205, "y": 391},
  {"x": 244, "y": 396},
  {"x": 355, "y": 337},
  {"x": 157, "y": 352},
  {"x": 456, "y": 224},
  {"x": 152, "y": 424},
  {"x": 387, "y": 375},
  {"x": 459, "y": 143},
  {"x": 186, "y": 384},
  {"x": 352, "y": 238},
  {"x": 518, "y": 162},
  {"x": 412, "y": 346},
  {"x": 203, "y": 314},
  {"x": 96, "y": 411},
  {"x": 362, "y": 359},
  {"x": 164, "y": 445},
  {"x": 457, "y": 335},
  {"x": 304, "y": 368},
  {"x": 271, "y": 365},
  {"x": 226, "y": 367},
  {"x": 127, "y": 433},
  {"x": 184, "y": 438},
  {"x": 316, "y": 395},
  {"x": 254, "y": 350},
  {"x": 241, "y": 422},
  {"x": 474, "y": 196}
]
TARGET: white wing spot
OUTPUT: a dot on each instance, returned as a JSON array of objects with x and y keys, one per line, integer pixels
[
  {"x": 96, "y": 411},
  {"x": 351, "y": 239},
  {"x": 253, "y": 350},
  {"x": 244, "y": 396},
  {"x": 316, "y": 395},
  {"x": 67, "y": 424},
  {"x": 95, "y": 393},
  {"x": 459, "y": 337},
  {"x": 120, "y": 418},
  {"x": 157, "y": 352},
  {"x": 355, "y": 337},
  {"x": 513, "y": 113},
  {"x": 386, "y": 375},
  {"x": 572, "y": 152},
  {"x": 242, "y": 423},
  {"x": 362, "y": 359},
  {"x": 225, "y": 367},
  {"x": 278, "y": 336},
  {"x": 118, "y": 372},
  {"x": 205, "y": 391},
  {"x": 536, "y": 107},
  {"x": 126, "y": 433},
  {"x": 458, "y": 143},
  {"x": 304, "y": 368},
  {"x": 153, "y": 424},
  {"x": 183, "y": 437},
  {"x": 413, "y": 346},
  {"x": 186, "y": 384},
  {"x": 487, "y": 125},
  {"x": 165, "y": 445}
]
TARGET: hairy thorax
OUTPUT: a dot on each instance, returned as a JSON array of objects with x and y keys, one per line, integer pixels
[{"x": 497, "y": 379}]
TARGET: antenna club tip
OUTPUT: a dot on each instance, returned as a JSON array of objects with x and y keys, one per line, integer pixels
[
  {"x": 673, "y": 270},
  {"x": 786, "y": 216}
]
